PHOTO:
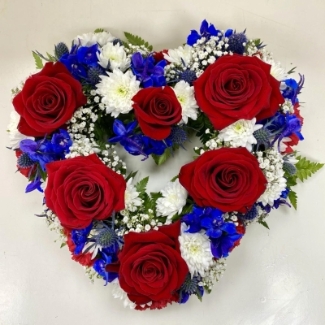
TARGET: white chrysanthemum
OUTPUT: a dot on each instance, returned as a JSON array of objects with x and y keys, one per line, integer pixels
[
  {"x": 119, "y": 293},
  {"x": 173, "y": 200},
  {"x": 14, "y": 135},
  {"x": 117, "y": 91},
  {"x": 89, "y": 39},
  {"x": 240, "y": 134},
  {"x": 185, "y": 95},
  {"x": 180, "y": 56},
  {"x": 196, "y": 251},
  {"x": 113, "y": 56},
  {"x": 131, "y": 196},
  {"x": 272, "y": 167},
  {"x": 276, "y": 69}
]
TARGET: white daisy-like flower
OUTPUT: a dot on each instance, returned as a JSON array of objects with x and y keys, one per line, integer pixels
[
  {"x": 196, "y": 251},
  {"x": 89, "y": 39},
  {"x": 119, "y": 293},
  {"x": 113, "y": 56},
  {"x": 117, "y": 90},
  {"x": 240, "y": 134},
  {"x": 173, "y": 200},
  {"x": 131, "y": 196},
  {"x": 180, "y": 56},
  {"x": 276, "y": 70},
  {"x": 185, "y": 95},
  {"x": 14, "y": 135}
]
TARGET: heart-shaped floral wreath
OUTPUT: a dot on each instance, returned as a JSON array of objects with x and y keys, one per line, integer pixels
[{"x": 159, "y": 248}]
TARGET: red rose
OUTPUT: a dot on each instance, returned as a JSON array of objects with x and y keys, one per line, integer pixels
[
  {"x": 237, "y": 87},
  {"x": 48, "y": 100},
  {"x": 157, "y": 110},
  {"x": 228, "y": 179},
  {"x": 150, "y": 266},
  {"x": 82, "y": 189},
  {"x": 158, "y": 56}
]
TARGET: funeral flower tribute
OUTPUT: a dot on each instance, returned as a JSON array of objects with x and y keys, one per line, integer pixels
[{"x": 104, "y": 93}]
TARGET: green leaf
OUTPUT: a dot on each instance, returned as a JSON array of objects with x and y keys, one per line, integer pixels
[
  {"x": 291, "y": 180},
  {"x": 159, "y": 160},
  {"x": 38, "y": 60},
  {"x": 141, "y": 185},
  {"x": 291, "y": 70},
  {"x": 51, "y": 58},
  {"x": 62, "y": 245},
  {"x": 131, "y": 175},
  {"x": 263, "y": 223},
  {"x": 137, "y": 40},
  {"x": 174, "y": 178},
  {"x": 155, "y": 195},
  {"x": 99, "y": 30},
  {"x": 293, "y": 198},
  {"x": 306, "y": 168}
]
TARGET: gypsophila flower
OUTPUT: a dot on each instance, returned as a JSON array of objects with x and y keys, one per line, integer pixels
[
  {"x": 214, "y": 273},
  {"x": 196, "y": 251},
  {"x": 271, "y": 164},
  {"x": 117, "y": 90},
  {"x": 172, "y": 201},
  {"x": 132, "y": 199},
  {"x": 240, "y": 134},
  {"x": 185, "y": 95}
]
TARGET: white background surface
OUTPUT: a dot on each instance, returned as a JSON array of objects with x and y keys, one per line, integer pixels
[{"x": 274, "y": 277}]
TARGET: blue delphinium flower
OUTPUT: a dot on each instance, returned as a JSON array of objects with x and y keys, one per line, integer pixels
[
  {"x": 136, "y": 143},
  {"x": 292, "y": 88},
  {"x": 88, "y": 55},
  {"x": 100, "y": 267},
  {"x": 206, "y": 30},
  {"x": 82, "y": 62},
  {"x": 147, "y": 71},
  {"x": 222, "y": 235},
  {"x": 79, "y": 238},
  {"x": 44, "y": 151},
  {"x": 189, "y": 287}
]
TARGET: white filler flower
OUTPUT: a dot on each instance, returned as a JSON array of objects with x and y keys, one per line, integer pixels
[
  {"x": 117, "y": 90},
  {"x": 14, "y": 135},
  {"x": 240, "y": 134},
  {"x": 180, "y": 56},
  {"x": 90, "y": 39},
  {"x": 196, "y": 251},
  {"x": 131, "y": 196},
  {"x": 173, "y": 200},
  {"x": 185, "y": 95},
  {"x": 113, "y": 56}
]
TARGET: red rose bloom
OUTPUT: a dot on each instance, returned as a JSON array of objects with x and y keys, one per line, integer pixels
[
  {"x": 228, "y": 179},
  {"x": 82, "y": 189},
  {"x": 237, "y": 87},
  {"x": 150, "y": 266},
  {"x": 48, "y": 100},
  {"x": 157, "y": 110}
]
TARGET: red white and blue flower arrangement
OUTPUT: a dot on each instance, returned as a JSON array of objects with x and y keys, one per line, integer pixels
[{"x": 159, "y": 248}]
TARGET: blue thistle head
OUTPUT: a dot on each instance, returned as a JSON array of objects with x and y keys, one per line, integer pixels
[
  {"x": 262, "y": 137},
  {"x": 93, "y": 74},
  {"x": 106, "y": 237},
  {"x": 189, "y": 287},
  {"x": 24, "y": 161},
  {"x": 250, "y": 215},
  {"x": 178, "y": 135},
  {"x": 235, "y": 43},
  {"x": 289, "y": 168},
  {"x": 61, "y": 49},
  {"x": 188, "y": 75}
]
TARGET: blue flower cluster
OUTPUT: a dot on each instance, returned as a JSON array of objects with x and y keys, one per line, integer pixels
[
  {"x": 83, "y": 64},
  {"x": 137, "y": 143},
  {"x": 105, "y": 239},
  {"x": 222, "y": 235},
  {"x": 44, "y": 151}
]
